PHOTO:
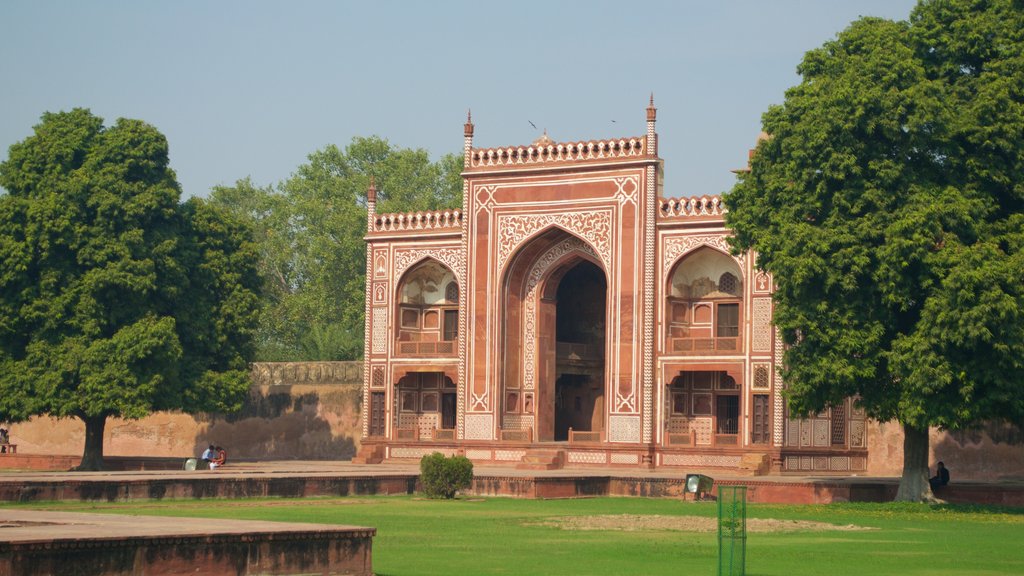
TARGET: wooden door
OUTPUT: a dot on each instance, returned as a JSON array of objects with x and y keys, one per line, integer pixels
[
  {"x": 760, "y": 430},
  {"x": 376, "y": 414}
]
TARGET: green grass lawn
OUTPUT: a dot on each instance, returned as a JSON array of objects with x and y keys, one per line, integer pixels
[{"x": 507, "y": 536}]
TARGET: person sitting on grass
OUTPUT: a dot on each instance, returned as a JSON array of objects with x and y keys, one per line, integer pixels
[{"x": 941, "y": 477}]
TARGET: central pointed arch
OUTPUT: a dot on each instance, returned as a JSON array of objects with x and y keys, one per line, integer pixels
[{"x": 555, "y": 310}]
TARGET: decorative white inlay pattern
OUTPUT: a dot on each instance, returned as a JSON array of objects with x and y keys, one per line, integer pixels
[
  {"x": 594, "y": 226},
  {"x": 623, "y": 428},
  {"x": 761, "y": 339},
  {"x": 839, "y": 463},
  {"x": 618, "y": 458},
  {"x": 380, "y": 330},
  {"x": 453, "y": 258},
  {"x": 478, "y": 454},
  {"x": 404, "y": 452},
  {"x": 677, "y": 246},
  {"x": 778, "y": 402},
  {"x": 479, "y": 426},
  {"x": 538, "y": 271},
  {"x": 701, "y": 461},
  {"x": 509, "y": 455},
  {"x": 587, "y": 457},
  {"x": 762, "y": 281}
]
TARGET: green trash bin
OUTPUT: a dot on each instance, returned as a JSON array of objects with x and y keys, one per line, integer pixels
[{"x": 732, "y": 530}]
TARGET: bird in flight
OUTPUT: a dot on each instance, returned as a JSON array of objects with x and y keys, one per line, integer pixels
[{"x": 532, "y": 124}]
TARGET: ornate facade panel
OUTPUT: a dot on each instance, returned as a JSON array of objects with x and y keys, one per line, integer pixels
[
  {"x": 477, "y": 454},
  {"x": 805, "y": 433},
  {"x": 576, "y": 457},
  {"x": 820, "y": 463},
  {"x": 762, "y": 376},
  {"x": 761, "y": 338},
  {"x": 698, "y": 460},
  {"x": 623, "y": 428},
  {"x": 517, "y": 422},
  {"x": 702, "y": 426},
  {"x": 408, "y": 452},
  {"x": 793, "y": 433},
  {"x": 479, "y": 426},
  {"x": 678, "y": 246},
  {"x": 509, "y": 455},
  {"x": 536, "y": 273},
  {"x": 380, "y": 264},
  {"x": 650, "y": 241},
  {"x": 762, "y": 282},
  {"x": 778, "y": 403},
  {"x": 822, "y": 429},
  {"x": 858, "y": 464},
  {"x": 857, "y": 439},
  {"x": 380, "y": 330},
  {"x": 377, "y": 377},
  {"x": 839, "y": 464},
  {"x": 594, "y": 226},
  {"x": 380, "y": 293},
  {"x": 453, "y": 258},
  {"x": 619, "y": 458}
]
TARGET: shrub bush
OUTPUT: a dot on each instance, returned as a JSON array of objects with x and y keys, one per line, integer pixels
[{"x": 442, "y": 477}]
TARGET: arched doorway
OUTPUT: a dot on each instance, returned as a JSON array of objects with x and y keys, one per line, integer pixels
[
  {"x": 554, "y": 313},
  {"x": 580, "y": 322}
]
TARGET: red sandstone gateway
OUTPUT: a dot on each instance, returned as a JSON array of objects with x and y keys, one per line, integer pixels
[{"x": 571, "y": 314}]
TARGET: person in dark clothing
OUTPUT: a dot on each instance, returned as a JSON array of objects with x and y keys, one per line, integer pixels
[{"x": 941, "y": 477}]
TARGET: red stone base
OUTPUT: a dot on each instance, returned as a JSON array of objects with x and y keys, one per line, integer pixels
[{"x": 35, "y": 542}]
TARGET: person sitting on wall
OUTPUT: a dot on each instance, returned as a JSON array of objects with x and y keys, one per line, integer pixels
[
  {"x": 5, "y": 439},
  {"x": 220, "y": 459},
  {"x": 209, "y": 455},
  {"x": 941, "y": 477}
]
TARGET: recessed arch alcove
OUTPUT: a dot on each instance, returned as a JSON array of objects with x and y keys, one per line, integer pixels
[{"x": 554, "y": 344}]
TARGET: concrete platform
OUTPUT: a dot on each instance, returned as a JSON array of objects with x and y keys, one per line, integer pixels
[
  {"x": 35, "y": 542},
  {"x": 291, "y": 479}
]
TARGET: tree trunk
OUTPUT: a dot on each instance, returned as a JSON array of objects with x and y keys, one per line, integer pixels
[
  {"x": 914, "y": 486},
  {"x": 92, "y": 457}
]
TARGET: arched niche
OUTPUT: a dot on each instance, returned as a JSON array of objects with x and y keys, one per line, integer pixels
[
  {"x": 426, "y": 318},
  {"x": 704, "y": 304},
  {"x": 555, "y": 278}
]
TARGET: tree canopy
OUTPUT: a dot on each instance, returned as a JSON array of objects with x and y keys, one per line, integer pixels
[
  {"x": 888, "y": 202},
  {"x": 115, "y": 298},
  {"x": 310, "y": 231}
]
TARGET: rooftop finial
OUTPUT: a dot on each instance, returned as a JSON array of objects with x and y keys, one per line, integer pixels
[
  {"x": 652, "y": 112},
  {"x": 371, "y": 191},
  {"x": 469, "y": 123},
  {"x": 652, "y": 99}
]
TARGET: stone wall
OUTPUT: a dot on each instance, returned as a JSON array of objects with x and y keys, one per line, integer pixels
[
  {"x": 992, "y": 452},
  {"x": 295, "y": 410}
]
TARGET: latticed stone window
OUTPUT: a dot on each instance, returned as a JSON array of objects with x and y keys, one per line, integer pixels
[
  {"x": 761, "y": 377},
  {"x": 451, "y": 293},
  {"x": 727, "y": 283}
]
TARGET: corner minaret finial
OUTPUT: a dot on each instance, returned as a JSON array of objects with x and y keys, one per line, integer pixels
[
  {"x": 652, "y": 136},
  {"x": 467, "y": 147},
  {"x": 371, "y": 203}
]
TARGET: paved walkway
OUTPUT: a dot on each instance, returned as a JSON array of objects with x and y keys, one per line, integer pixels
[{"x": 334, "y": 468}]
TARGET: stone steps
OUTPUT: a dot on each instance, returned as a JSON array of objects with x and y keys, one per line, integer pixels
[{"x": 545, "y": 459}]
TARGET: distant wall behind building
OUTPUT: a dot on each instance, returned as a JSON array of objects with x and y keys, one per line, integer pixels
[{"x": 295, "y": 410}]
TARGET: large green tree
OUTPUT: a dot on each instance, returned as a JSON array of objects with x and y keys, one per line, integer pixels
[
  {"x": 310, "y": 231},
  {"x": 115, "y": 298},
  {"x": 888, "y": 202}
]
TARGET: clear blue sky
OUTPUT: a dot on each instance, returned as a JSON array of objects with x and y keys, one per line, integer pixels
[{"x": 251, "y": 88}]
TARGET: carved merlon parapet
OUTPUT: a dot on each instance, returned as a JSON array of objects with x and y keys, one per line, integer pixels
[
  {"x": 440, "y": 220},
  {"x": 625, "y": 148},
  {"x": 692, "y": 207},
  {"x": 292, "y": 373}
]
